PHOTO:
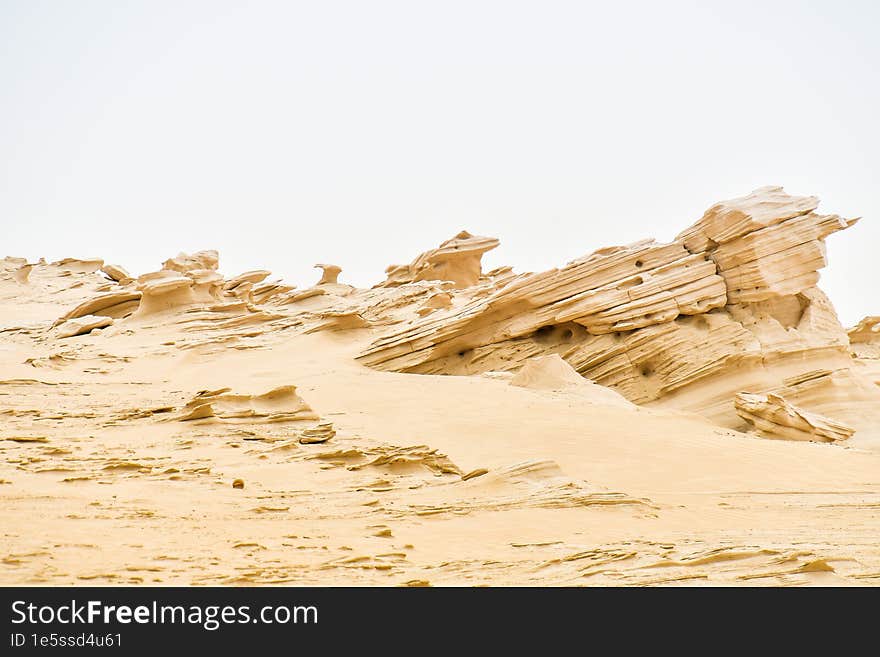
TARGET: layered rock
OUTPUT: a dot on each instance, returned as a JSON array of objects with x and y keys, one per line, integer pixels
[
  {"x": 205, "y": 284},
  {"x": 766, "y": 244},
  {"x": 185, "y": 262},
  {"x": 616, "y": 289},
  {"x": 182, "y": 282},
  {"x": 865, "y": 344},
  {"x": 338, "y": 320},
  {"x": 16, "y": 268},
  {"x": 111, "y": 304},
  {"x": 79, "y": 265},
  {"x": 437, "y": 301},
  {"x": 248, "y": 277},
  {"x": 866, "y": 332},
  {"x": 117, "y": 273},
  {"x": 281, "y": 404},
  {"x": 844, "y": 394},
  {"x": 163, "y": 291},
  {"x": 21, "y": 274},
  {"x": 265, "y": 292},
  {"x": 774, "y": 417},
  {"x": 731, "y": 305},
  {"x": 329, "y": 274},
  {"x": 81, "y": 325},
  {"x": 458, "y": 260}
]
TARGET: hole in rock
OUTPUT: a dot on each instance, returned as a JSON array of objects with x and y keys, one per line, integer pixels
[{"x": 625, "y": 285}]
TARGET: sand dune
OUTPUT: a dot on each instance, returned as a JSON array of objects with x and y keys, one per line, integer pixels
[{"x": 654, "y": 414}]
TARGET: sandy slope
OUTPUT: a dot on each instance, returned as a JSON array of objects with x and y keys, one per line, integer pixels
[{"x": 100, "y": 482}]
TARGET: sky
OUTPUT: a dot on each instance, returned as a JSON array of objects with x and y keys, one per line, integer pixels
[{"x": 286, "y": 134}]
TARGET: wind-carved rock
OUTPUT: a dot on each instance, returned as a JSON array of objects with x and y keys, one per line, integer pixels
[
  {"x": 864, "y": 341},
  {"x": 117, "y": 273},
  {"x": 458, "y": 260},
  {"x": 866, "y": 331},
  {"x": 774, "y": 417},
  {"x": 730, "y": 305},
  {"x": 185, "y": 262},
  {"x": 329, "y": 274},
  {"x": 766, "y": 244}
]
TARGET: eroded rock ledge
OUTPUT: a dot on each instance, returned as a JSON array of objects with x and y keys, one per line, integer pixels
[{"x": 730, "y": 306}]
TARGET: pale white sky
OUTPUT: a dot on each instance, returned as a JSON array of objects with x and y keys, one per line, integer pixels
[{"x": 361, "y": 133}]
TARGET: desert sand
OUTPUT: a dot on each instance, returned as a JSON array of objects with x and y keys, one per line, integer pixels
[{"x": 690, "y": 413}]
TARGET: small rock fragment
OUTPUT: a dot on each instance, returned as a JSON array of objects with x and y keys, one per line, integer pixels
[
  {"x": 319, "y": 434},
  {"x": 479, "y": 472}
]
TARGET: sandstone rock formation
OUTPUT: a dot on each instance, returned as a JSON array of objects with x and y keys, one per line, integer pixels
[
  {"x": 457, "y": 260},
  {"x": 865, "y": 343},
  {"x": 252, "y": 277},
  {"x": 766, "y": 245},
  {"x": 79, "y": 265},
  {"x": 866, "y": 331},
  {"x": 16, "y": 268},
  {"x": 81, "y": 325},
  {"x": 329, "y": 274},
  {"x": 183, "y": 282},
  {"x": 110, "y": 304},
  {"x": 280, "y": 404},
  {"x": 22, "y": 273},
  {"x": 164, "y": 290},
  {"x": 730, "y": 306},
  {"x": 435, "y": 302},
  {"x": 117, "y": 273},
  {"x": 774, "y": 417},
  {"x": 614, "y": 393},
  {"x": 185, "y": 262},
  {"x": 339, "y": 320}
]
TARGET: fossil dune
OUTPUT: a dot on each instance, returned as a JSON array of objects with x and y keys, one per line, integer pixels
[{"x": 651, "y": 414}]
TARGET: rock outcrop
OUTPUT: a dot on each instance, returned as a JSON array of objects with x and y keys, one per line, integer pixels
[
  {"x": 117, "y": 273},
  {"x": 866, "y": 331},
  {"x": 766, "y": 245},
  {"x": 730, "y": 305},
  {"x": 163, "y": 291},
  {"x": 22, "y": 273},
  {"x": 183, "y": 282},
  {"x": 865, "y": 344},
  {"x": 248, "y": 277},
  {"x": 110, "y": 304},
  {"x": 185, "y": 262},
  {"x": 458, "y": 260},
  {"x": 81, "y": 325},
  {"x": 329, "y": 274},
  {"x": 79, "y": 265},
  {"x": 774, "y": 417},
  {"x": 280, "y": 404}
]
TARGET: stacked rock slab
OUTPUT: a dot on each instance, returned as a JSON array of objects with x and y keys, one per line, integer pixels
[
  {"x": 865, "y": 343},
  {"x": 183, "y": 281},
  {"x": 730, "y": 306},
  {"x": 864, "y": 338},
  {"x": 457, "y": 260},
  {"x": 766, "y": 244},
  {"x": 774, "y": 417}
]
